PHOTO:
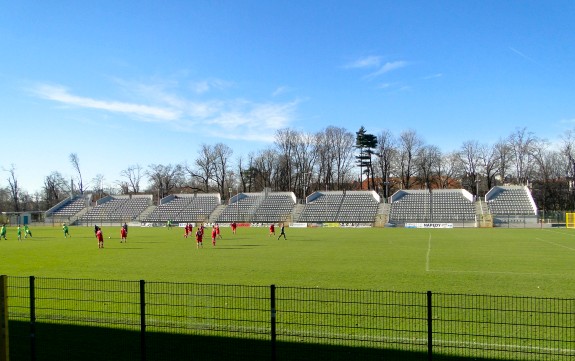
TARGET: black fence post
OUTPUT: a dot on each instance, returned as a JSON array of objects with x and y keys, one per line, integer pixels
[
  {"x": 32, "y": 318},
  {"x": 4, "y": 337},
  {"x": 142, "y": 320},
  {"x": 273, "y": 320},
  {"x": 429, "y": 328}
]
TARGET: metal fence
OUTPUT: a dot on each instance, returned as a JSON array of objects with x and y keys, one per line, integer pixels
[{"x": 77, "y": 319}]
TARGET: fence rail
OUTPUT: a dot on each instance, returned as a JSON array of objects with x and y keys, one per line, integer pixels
[{"x": 138, "y": 320}]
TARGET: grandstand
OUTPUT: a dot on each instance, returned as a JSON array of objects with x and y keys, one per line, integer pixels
[
  {"x": 510, "y": 200},
  {"x": 241, "y": 207},
  {"x": 184, "y": 208},
  {"x": 69, "y": 207},
  {"x": 438, "y": 206},
  {"x": 340, "y": 207},
  {"x": 275, "y": 207},
  {"x": 503, "y": 205},
  {"x": 123, "y": 208}
]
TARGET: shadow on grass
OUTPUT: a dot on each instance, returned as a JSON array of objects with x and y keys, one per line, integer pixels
[{"x": 67, "y": 342}]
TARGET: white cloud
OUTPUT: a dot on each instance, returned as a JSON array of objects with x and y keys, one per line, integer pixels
[
  {"x": 387, "y": 67},
  {"x": 205, "y": 86},
  {"x": 280, "y": 90},
  {"x": 433, "y": 76},
  {"x": 222, "y": 118},
  {"x": 366, "y": 62},
  {"x": 61, "y": 95}
]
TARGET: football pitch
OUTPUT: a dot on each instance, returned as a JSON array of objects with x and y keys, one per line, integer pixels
[{"x": 522, "y": 262}]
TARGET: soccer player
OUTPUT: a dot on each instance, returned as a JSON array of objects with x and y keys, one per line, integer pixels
[
  {"x": 3, "y": 232},
  {"x": 100, "y": 238},
  {"x": 123, "y": 234},
  {"x": 282, "y": 232},
  {"x": 272, "y": 229},
  {"x": 187, "y": 230},
  {"x": 214, "y": 235},
  {"x": 219, "y": 235},
  {"x": 199, "y": 235},
  {"x": 125, "y": 226},
  {"x": 234, "y": 226},
  {"x": 65, "y": 229},
  {"x": 27, "y": 232},
  {"x": 19, "y": 233}
]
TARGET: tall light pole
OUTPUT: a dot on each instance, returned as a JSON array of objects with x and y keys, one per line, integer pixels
[
  {"x": 237, "y": 202},
  {"x": 477, "y": 188}
]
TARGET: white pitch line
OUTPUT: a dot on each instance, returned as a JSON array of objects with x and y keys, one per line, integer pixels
[
  {"x": 428, "y": 256},
  {"x": 555, "y": 244},
  {"x": 500, "y": 272}
]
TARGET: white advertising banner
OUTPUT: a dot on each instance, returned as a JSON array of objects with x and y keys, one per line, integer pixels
[{"x": 429, "y": 225}]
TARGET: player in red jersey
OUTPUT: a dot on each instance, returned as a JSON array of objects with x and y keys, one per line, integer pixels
[
  {"x": 100, "y": 238},
  {"x": 187, "y": 230},
  {"x": 272, "y": 229},
  {"x": 214, "y": 235},
  {"x": 123, "y": 234},
  {"x": 218, "y": 234},
  {"x": 234, "y": 226},
  {"x": 199, "y": 235}
]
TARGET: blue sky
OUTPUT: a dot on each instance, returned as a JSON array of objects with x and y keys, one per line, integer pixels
[{"x": 141, "y": 82}]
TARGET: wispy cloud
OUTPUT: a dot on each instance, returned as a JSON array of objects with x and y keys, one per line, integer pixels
[
  {"x": 224, "y": 118},
  {"x": 371, "y": 61},
  {"x": 523, "y": 55},
  {"x": 376, "y": 62},
  {"x": 387, "y": 67},
  {"x": 205, "y": 86},
  {"x": 61, "y": 95},
  {"x": 280, "y": 90},
  {"x": 433, "y": 76}
]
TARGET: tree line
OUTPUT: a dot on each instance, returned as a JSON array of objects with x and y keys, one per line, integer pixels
[{"x": 333, "y": 159}]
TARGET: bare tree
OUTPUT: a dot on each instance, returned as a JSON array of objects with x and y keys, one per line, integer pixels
[
  {"x": 204, "y": 167},
  {"x": 56, "y": 188},
  {"x": 98, "y": 182},
  {"x": 133, "y": 175},
  {"x": 504, "y": 158},
  {"x": 14, "y": 188},
  {"x": 409, "y": 144},
  {"x": 164, "y": 178},
  {"x": 265, "y": 169},
  {"x": 521, "y": 143},
  {"x": 284, "y": 142},
  {"x": 75, "y": 161},
  {"x": 450, "y": 169},
  {"x": 470, "y": 158},
  {"x": 221, "y": 169},
  {"x": 489, "y": 163},
  {"x": 386, "y": 151},
  {"x": 427, "y": 160},
  {"x": 304, "y": 155},
  {"x": 339, "y": 144}
]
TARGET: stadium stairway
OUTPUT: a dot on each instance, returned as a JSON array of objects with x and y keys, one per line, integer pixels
[
  {"x": 216, "y": 213},
  {"x": 297, "y": 211},
  {"x": 146, "y": 213}
]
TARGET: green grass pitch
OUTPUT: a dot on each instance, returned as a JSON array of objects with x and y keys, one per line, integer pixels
[{"x": 526, "y": 262}]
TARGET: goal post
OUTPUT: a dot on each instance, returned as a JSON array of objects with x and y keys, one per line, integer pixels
[{"x": 570, "y": 220}]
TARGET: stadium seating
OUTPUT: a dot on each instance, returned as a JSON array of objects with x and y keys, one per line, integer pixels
[
  {"x": 510, "y": 200},
  {"x": 69, "y": 207},
  {"x": 185, "y": 208},
  {"x": 275, "y": 207},
  {"x": 340, "y": 207},
  {"x": 241, "y": 208},
  {"x": 117, "y": 209},
  {"x": 441, "y": 205}
]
